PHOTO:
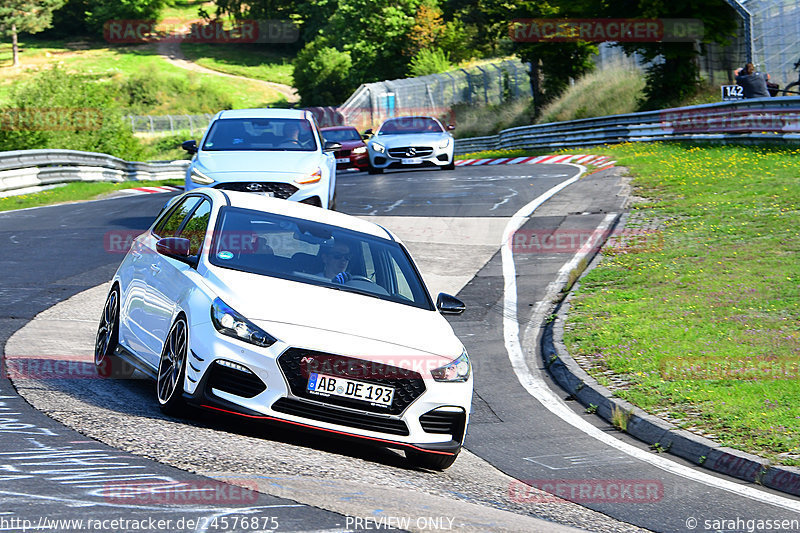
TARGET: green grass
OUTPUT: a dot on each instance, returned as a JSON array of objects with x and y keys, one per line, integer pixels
[
  {"x": 701, "y": 315},
  {"x": 168, "y": 89},
  {"x": 255, "y": 61},
  {"x": 75, "y": 192},
  {"x": 608, "y": 92},
  {"x": 479, "y": 121},
  {"x": 185, "y": 9},
  {"x": 166, "y": 146}
]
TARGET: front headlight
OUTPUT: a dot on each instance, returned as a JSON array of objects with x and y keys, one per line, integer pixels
[
  {"x": 200, "y": 178},
  {"x": 378, "y": 147},
  {"x": 230, "y": 323},
  {"x": 445, "y": 143},
  {"x": 311, "y": 178},
  {"x": 456, "y": 370},
  {"x": 360, "y": 150}
]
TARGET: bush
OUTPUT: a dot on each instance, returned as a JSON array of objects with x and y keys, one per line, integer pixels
[
  {"x": 321, "y": 74},
  {"x": 479, "y": 121},
  {"x": 600, "y": 93},
  {"x": 67, "y": 111},
  {"x": 430, "y": 61},
  {"x": 154, "y": 91}
]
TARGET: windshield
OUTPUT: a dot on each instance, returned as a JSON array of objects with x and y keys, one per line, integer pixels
[
  {"x": 317, "y": 254},
  {"x": 396, "y": 126},
  {"x": 260, "y": 134},
  {"x": 350, "y": 134}
]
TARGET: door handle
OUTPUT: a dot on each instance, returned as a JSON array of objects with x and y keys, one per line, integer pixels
[{"x": 155, "y": 268}]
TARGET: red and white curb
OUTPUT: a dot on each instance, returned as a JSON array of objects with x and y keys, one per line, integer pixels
[
  {"x": 150, "y": 190},
  {"x": 597, "y": 161}
]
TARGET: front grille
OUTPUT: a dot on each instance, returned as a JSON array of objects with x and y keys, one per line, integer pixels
[
  {"x": 444, "y": 422},
  {"x": 298, "y": 364},
  {"x": 279, "y": 190},
  {"x": 341, "y": 417},
  {"x": 342, "y": 153},
  {"x": 232, "y": 381},
  {"x": 419, "y": 151}
]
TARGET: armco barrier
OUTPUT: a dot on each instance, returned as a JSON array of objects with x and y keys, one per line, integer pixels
[
  {"x": 32, "y": 168},
  {"x": 761, "y": 119}
]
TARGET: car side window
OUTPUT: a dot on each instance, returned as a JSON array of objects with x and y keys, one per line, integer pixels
[
  {"x": 195, "y": 228},
  {"x": 170, "y": 224}
]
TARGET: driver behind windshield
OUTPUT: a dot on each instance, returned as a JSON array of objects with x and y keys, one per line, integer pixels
[
  {"x": 335, "y": 260},
  {"x": 296, "y": 134}
]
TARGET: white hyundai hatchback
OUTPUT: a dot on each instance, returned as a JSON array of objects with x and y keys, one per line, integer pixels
[
  {"x": 278, "y": 311},
  {"x": 273, "y": 152}
]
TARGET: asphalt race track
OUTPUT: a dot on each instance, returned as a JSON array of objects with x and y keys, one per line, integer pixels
[{"x": 55, "y": 261}]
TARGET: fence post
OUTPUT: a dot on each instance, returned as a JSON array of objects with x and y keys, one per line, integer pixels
[
  {"x": 171, "y": 125},
  {"x": 191, "y": 126},
  {"x": 485, "y": 84},
  {"x": 469, "y": 86}
]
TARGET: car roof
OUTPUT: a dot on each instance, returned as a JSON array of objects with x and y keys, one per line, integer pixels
[
  {"x": 263, "y": 113},
  {"x": 411, "y": 116},
  {"x": 258, "y": 202}
]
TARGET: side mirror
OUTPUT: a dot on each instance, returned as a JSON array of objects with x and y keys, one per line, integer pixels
[
  {"x": 331, "y": 146},
  {"x": 176, "y": 248},
  {"x": 367, "y": 134},
  {"x": 449, "y": 305},
  {"x": 450, "y": 127},
  {"x": 190, "y": 146}
]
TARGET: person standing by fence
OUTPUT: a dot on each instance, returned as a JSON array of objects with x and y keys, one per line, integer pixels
[{"x": 753, "y": 83}]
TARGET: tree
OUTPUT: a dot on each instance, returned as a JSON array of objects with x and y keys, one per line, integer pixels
[
  {"x": 673, "y": 73},
  {"x": 29, "y": 16},
  {"x": 375, "y": 35},
  {"x": 552, "y": 63},
  {"x": 322, "y": 74}
]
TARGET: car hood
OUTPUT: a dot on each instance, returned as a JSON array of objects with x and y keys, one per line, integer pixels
[
  {"x": 411, "y": 139},
  {"x": 330, "y": 320},
  {"x": 257, "y": 162}
]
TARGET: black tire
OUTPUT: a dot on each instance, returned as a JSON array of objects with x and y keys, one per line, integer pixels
[
  {"x": 785, "y": 90},
  {"x": 107, "y": 364},
  {"x": 373, "y": 170},
  {"x": 332, "y": 203},
  {"x": 172, "y": 369},
  {"x": 451, "y": 165},
  {"x": 430, "y": 461}
]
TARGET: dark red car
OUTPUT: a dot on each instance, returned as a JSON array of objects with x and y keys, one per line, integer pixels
[{"x": 353, "y": 153}]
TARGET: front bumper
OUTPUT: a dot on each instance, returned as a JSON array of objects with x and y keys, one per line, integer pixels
[
  {"x": 401, "y": 158},
  {"x": 314, "y": 193},
  {"x": 434, "y": 421},
  {"x": 351, "y": 160}
]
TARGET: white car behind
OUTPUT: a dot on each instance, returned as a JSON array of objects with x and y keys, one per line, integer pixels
[
  {"x": 273, "y": 152},
  {"x": 411, "y": 142}
]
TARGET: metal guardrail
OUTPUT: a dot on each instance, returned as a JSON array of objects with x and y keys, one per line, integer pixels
[
  {"x": 761, "y": 119},
  {"x": 34, "y": 168}
]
